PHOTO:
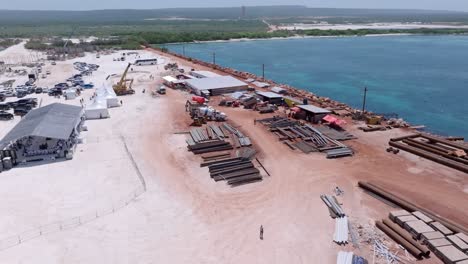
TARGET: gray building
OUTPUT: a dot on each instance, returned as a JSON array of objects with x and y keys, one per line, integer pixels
[
  {"x": 216, "y": 85},
  {"x": 48, "y": 132},
  {"x": 313, "y": 113}
]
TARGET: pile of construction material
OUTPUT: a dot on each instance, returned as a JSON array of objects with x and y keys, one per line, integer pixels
[
  {"x": 444, "y": 151},
  {"x": 419, "y": 230},
  {"x": 207, "y": 140},
  {"x": 240, "y": 139},
  {"x": 305, "y": 137},
  {"x": 341, "y": 221},
  {"x": 235, "y": 171}
]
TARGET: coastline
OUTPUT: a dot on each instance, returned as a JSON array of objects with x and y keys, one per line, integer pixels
[
  {"x": 288, "y": 38},
  {"x": 296, "y": 93}
]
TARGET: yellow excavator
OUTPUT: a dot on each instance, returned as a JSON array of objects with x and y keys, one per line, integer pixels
[{"x": 124, "y": 86}]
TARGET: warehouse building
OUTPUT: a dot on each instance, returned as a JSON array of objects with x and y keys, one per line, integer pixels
[
  {"x": 313, "y": 113},
  {"x": 215, "y": 85},
  {"x": 45, "y": 133},
  {"x": 271, "y": 97},
  {"x": 204, "y": 74}
]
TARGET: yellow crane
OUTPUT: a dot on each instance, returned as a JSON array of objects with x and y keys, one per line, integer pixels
[{"x": 124, "y": 86}]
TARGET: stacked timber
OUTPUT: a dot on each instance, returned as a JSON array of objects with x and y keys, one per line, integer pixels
[{"x": 235, "y": 171}]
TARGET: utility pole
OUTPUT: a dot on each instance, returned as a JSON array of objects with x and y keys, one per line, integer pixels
[
  {"x": 364, "y": 100},
  {"x": 214, "y": 58},
  {"x": 263, "y": 71}
]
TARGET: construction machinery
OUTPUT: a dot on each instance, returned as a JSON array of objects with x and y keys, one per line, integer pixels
[
  {"x": 200, "y": 112},
  {"x": 124, "y": 86}
]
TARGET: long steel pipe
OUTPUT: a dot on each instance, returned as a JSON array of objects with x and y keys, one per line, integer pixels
[
  {"x": 412, "y": 207},
  {"x": 431, "y": 156},
  {"x": 400, "y": 240},
  {"x": 402, "y": 232}
]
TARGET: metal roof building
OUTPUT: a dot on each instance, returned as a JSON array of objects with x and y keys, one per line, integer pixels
[
  {"x": 216, "y": 85},
  {"x": 314, "y": 113},
  {"x": 271, "y": 97},
  {"x": 57, "y": 121},
  {"x": 204, "y": 74}
]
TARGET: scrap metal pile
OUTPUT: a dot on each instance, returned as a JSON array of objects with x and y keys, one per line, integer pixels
[
  {"x": 444, "y": 151},
  {"x": 306, "y": 137}
]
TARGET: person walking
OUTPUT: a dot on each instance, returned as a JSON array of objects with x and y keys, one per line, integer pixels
[{"x": 261, "y": 232}]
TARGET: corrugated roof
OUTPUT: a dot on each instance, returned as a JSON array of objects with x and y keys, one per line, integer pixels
[
  {"x": 270, "y": 94},
  {"x": 314, "y": 109},
  {"x": 205, "y": 74},
  {"x": 52, "y": 121},
  {"x": 215, "y": 83}
]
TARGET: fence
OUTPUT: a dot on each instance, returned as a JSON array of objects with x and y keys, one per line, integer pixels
[{"x": 79, "y": 220}]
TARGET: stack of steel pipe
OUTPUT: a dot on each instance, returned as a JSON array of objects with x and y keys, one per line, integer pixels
[
  {"x": 455, "y": 227},
  {"x": 403, "y": 233},
  {"x": 400, "y": 240},
  {"x": 331, "y": 202},
  {"x": 437, "y": 149}
]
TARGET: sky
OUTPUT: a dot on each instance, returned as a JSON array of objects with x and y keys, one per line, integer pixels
[{"x": 455, "y": 5}]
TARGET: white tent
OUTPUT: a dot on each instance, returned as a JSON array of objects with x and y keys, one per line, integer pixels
[
  {"x": 97, "y": 110},
  {"x": 107, "y": 94}
]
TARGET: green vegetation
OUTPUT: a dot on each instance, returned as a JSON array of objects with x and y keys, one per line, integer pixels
[
  {"x": 363, "y": 32},
  {"x": 5, "y": 43}
]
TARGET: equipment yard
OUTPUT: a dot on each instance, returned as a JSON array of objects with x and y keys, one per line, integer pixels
[{"x": 144, "y": 186}]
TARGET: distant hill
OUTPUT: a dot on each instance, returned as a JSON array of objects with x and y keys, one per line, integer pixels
[{"x": 16, "y": 17}]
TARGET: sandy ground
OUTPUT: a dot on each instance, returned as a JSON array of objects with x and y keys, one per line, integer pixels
[
  {"x": 185, "y": 217},
  {"x": 302, "y": 26}
]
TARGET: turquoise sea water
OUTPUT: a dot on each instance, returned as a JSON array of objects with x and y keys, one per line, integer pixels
[{"x": 424, "y": 79}]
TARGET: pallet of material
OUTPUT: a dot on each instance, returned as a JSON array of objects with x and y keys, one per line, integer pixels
[
  {"x": 416, "y": 228},
  {"x": 401, "y": 220},
  {"x": 393, "y": 214},
  {"x": 463, "y": 237},
  {"x": 231, "y": 169},
  {"x": 215, "y": 156},
  {"x": 439, "y": 242},
  {"x": 456, "y": 241},
  {"x": 443, "y": 229},
  {"x": 423, "y": 217},
  {"x": 431, "y": 235},
  {"x": 331, "y": 202},
  {"x": 289, "y": 144},
  {"x": 450, "y": 254},
  {"x": 335, "y": 134}
]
